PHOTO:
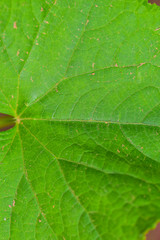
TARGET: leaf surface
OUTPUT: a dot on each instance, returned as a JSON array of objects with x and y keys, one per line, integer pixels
[{"x": 82, "y": 79}]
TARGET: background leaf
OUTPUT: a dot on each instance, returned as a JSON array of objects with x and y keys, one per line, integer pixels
[{"x": 82, "y": 79}]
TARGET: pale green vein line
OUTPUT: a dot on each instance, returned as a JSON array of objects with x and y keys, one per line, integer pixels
[
  {"x": 76, "y": 45},
  {"x": 150, "y": 111},
  {"x": 131, "y": 95},
  {"x": 7, "y": 100},
  {"x": 85, "y": 210},
  {"x": 12, "y": 207},
  {"x": 83, "y": 31},
  {"x": 107, "y": 172},
  {"x": 107, "y": 122},
  {"x": 10, "y": 59},
  {"x": 47, "y": 224},
  {"x": 77, "y": 199},
  {"x": 67, "y": 78},
  {"x": 26, "y": 175},
  {"x": 9, "y": 147},
  {"x": 139, "y": 150},
  {"x": 1, "y": 162},
  {"x": 38, "y": 31},
  {"x": 17, "y": 94},
  {"x": 79, "y": 75},
  {"x": 9, "y": 18}
]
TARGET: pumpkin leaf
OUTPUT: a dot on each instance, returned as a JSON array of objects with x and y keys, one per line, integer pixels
[{"x": 81, "y": 78}]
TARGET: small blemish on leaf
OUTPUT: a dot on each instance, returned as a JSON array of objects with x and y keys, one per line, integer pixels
[
  {"x": 18, "y": 52},
  {"x": 18, "y": 120},
  {"x": 87, "y": 22},
  {"x": 140, "y": 65},
  {"x": 15, "y": 25}
]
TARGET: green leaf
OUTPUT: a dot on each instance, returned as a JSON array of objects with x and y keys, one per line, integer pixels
[{"x": 82, "y": 80}]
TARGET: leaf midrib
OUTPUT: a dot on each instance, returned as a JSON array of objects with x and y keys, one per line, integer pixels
[{"x": 106, "y": 122}]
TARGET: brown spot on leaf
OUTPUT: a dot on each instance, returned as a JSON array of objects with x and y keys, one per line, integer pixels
[
  {"x": 18, "y": 52},
  {"x": 15, "y": 25},
  {"x": 93, "y": 65},
  {"x": 13, "y": 204},
  {"x": 141, "y": 64},
  {"x": 87, "y": 22},
  {"x": 156, "y": 29}
]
